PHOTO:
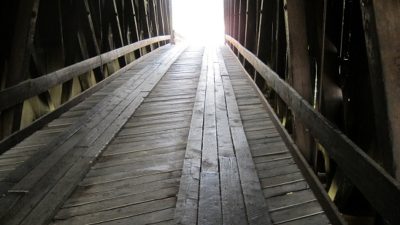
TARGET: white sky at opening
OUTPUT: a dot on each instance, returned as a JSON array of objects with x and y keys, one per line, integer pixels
[{"x": 199, "y": 21}]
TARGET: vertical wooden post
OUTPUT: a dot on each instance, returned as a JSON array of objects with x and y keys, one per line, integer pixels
[
  {"x": 299, "y": 66},
  {"x": 236, "y": 20},
  {"x": 171, "y": 24},
  {"x": 160, "y": 14},
  {"x": 250, "y": 27},
  {"x": 149, "y": 28},
  {"x": 70, "y": 43},
  {"x": 135, "y": 24},
  {"x": 167, "y": 22},
  {"x": 23, "y": 35},
  {"x": 382, "y": 29},
  {"x": 260, "y": 28},
  {"x": 91, "y": 35}
]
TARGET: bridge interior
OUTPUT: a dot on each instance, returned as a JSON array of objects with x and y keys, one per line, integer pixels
[{"x": 108, "y": 116}]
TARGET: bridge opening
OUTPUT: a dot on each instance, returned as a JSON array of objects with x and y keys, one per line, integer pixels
[{"x": 199, "y": 22}]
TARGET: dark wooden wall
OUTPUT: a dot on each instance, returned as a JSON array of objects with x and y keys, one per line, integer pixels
[
  {"x": 343, "y": 57},
  {"x": 41, "y": 36}
]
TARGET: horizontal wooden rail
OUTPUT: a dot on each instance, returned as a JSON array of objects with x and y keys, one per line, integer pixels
[
  {"x": 17, "y": 94},
  {"x": 379, "y": 188}
]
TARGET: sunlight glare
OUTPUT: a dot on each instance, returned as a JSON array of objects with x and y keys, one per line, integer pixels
[{"x": 200, "y": 22}]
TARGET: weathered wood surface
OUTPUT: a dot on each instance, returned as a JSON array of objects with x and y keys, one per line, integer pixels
[
  {"x": 289, "y": 197},
  {"x": 32, "y": 87},
  {"x": 24, "y": 156},
  {"x": 193, "y": 146},
  {"x": 136, "y": 178},
  {"x": 18, "y": 136},
  {"x": 210, "y": 189},
  {"x": 381, "y": 189},
  {"x": 187, "y": 198},
  {"x": 52, "y": 178}
]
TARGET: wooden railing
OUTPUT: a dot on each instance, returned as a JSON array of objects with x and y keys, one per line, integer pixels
[
  {"x": 32, "y": 87},
  {"x": 378, "y": 187},
  {"x": 17, "y": 94}
]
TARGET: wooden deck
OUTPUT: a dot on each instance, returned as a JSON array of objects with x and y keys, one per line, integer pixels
[{"x": 180, "y": 138}]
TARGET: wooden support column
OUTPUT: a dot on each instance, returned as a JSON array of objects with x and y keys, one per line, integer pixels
[
  {"x": 135, "y": 23},
  {"x": 149, "y": 28},
  {"x": 236, "y": 4},
  {"x": 170, "y": 21},
  {"x": 232, "y": 17},
  {"x": 242, "y": 21},
  {"x": 154, "y": 19},
  {"x": 117, "y": 31},
  {"x": 90, "y": 35},
  {"x": 70, "y": 42},
  {"x": 259, "y": 26},
  {"x": 263, "y": 42},
  {"x": 299, "y": 66},
  {"x": 167, "y": 22},
  {"x": 382, "y": 30},
  {"x": 143, "y": 22},
  {"x": 160, "y": 15},
  {"x": 86, "y": 80},
  {"x": 23, "y": 35},
  {"x": 227, "y": 17},
  {"x": 250, "y": 28}
]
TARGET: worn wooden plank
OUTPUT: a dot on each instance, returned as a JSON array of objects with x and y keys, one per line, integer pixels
[
  {"x": 285, "y": 188},
  {"x": 274, "y": 164},
  {"x": 127, "y": 211},
  {"x": 209, "y": 196},
  {"x": 161, "y": 167},
  {"x": 116, "y": 202},
  {"x": 279, "y": 180},
  {"x": 188, "y": 195},
  {"x": 159, "y": 160},
  {"x": 93, "y": 192},
  {"x": 146, "y": 137},
  {"x": 128, "y": 153},
  {"x": 209, "y": 150},
  {"x": 152, "y": 128},
  {"x": 233, "y": 208},
  {"x": 299, "y": 212},
  {"x": 209, "y": 199},
  {"x": 256, "y": 207},
  {"x": 315, "y": 218},
  {"x": 290, "y": 199}
]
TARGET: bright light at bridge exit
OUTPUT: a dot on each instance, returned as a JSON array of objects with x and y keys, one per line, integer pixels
[{"x": 199, "y": 21}]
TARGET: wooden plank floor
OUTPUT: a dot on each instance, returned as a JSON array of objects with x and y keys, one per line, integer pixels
[
  {"x": 136, "y": 179},
  {"x": 35, "y": 143},
  {"x": 181, "y": 138},
  {"x": 289, "y": 198},
  {"x": 43, "y": 182}
]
